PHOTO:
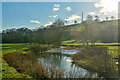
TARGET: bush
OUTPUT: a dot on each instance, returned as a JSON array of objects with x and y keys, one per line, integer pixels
[
  {"x": 96, "y": 59},
  {"x": 38, "y": 49},
  {"x": 28, "y": 64}
]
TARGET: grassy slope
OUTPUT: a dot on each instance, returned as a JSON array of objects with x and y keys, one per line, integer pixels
[
  {"x": 113, "y": 50},
  {"x": 80, "y": 27},
  {"x": 7, "y": 71}
]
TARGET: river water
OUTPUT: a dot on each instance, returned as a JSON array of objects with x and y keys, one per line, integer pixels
[{"x": 63, "y": 63}]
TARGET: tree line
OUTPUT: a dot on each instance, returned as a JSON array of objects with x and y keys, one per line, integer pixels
[{"x": 55, "y": 33}]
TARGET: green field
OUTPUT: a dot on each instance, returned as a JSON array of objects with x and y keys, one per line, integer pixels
[
  {"x": 74, "y": 42},
  {"x": 7, "y": 71},
  {"x": 10, "y": 72}
]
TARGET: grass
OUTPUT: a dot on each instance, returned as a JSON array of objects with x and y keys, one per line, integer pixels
[
  {"x": 112, "y": 50},
  {"x": 96, "y": 59},
  {"x": 8, "y": 48},
  {"x": 9, "y": 72},
  {"x": 74, "y": 42},
  {"x": 112, "y": 47},
  {"x": 28, "y": 64}
]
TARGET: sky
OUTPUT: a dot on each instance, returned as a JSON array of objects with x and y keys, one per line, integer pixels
[{"x": 35, "y": 14}]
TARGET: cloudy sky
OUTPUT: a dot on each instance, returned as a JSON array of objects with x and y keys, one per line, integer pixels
[{"x": 36, "y": 14}]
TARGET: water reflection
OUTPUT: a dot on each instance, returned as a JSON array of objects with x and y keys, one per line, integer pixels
[
  {"x": 60, "y": 62},
  {"x": 63, "y": 51}
]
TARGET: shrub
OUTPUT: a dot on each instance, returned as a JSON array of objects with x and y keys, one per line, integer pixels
[
  {"x": 38, "y": 49},
  {"x": 97, "y": 59},
  {"x": 28, "y": 64}
]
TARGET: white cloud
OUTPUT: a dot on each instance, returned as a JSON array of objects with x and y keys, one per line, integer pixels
[
  {"x": 50, "y": 23},
  {"x": 53, "y": 16},
  {"x": 91, "y": 13},
  {"x": 68, "y": 8},
  {"x": 56, "y": 5},
  {"x": 55, "y": 9},
  {"x": 73, "y": 17},
  {"x": 34, "y": 21},
  {"x": 108, "y": 6}
]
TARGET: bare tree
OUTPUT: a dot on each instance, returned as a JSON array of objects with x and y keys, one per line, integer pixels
[{"x": 107, "y": 18}]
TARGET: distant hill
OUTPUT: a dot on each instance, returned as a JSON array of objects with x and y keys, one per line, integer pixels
[
  {"x": 107, "y": 31},
  {"x": 81, "y": 26}
]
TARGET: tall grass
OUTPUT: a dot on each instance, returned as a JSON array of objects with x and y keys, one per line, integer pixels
[
  {"x": 28, "y": 64},
  {"x": 96, "y": 59}
]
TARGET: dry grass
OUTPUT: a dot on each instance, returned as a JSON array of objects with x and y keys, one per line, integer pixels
[
  {"x": 96, "y": 59},
  {"x": 28, "y": 64},
  {"x": 37, "y": 49}
]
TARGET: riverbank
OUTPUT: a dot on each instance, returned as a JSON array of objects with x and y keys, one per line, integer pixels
[
  {"x": 46, "y": 66},
  {"x": 96, "y": 59},
  {"x": 23, "y": 62},
  {"x": 22, "y": 47},
  {"x": 7, "y": 70}
]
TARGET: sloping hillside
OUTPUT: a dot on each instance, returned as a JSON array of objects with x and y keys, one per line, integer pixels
[{"x": 104, "y": 31}]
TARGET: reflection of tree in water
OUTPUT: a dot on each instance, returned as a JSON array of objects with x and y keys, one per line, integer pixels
[
  {"x": 53, "y": 60},
  {"x": 70, "y": 70},
  {"x": 58, "y": 61}
]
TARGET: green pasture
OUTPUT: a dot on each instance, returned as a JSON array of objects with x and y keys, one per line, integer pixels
[{"x": 74, "y": 42}]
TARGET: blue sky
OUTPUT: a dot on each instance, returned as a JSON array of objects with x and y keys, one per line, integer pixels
[{"x": 36, "y": 14}]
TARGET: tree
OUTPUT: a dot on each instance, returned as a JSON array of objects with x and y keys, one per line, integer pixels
[
  {"x": 107, "y": 18},
  {"x": 97, "y": 18},
  {"x": 89, "y": 19},
  {"x": 37, "y": 49},
  {"x": 75, "y": 22},
  {"x": 58, "y": 23},
  {"x": 66, "y": 22},
  {"x": 112, "y": 17}
]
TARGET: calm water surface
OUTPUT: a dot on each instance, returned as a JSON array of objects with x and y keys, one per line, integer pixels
[{"x": 62, "y": 63}]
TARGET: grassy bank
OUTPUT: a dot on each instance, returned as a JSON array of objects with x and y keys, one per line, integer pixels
[
  {"x": 8, "y": 71},
  {"x": 28, "y": 64},
  {"x": 96, "y": 59}
]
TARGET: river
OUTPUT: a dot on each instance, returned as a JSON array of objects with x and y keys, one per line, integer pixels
[{"x": 64, "y": 63}]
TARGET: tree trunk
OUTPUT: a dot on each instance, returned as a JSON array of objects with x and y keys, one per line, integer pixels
[{"x": 87, "y": 43}]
